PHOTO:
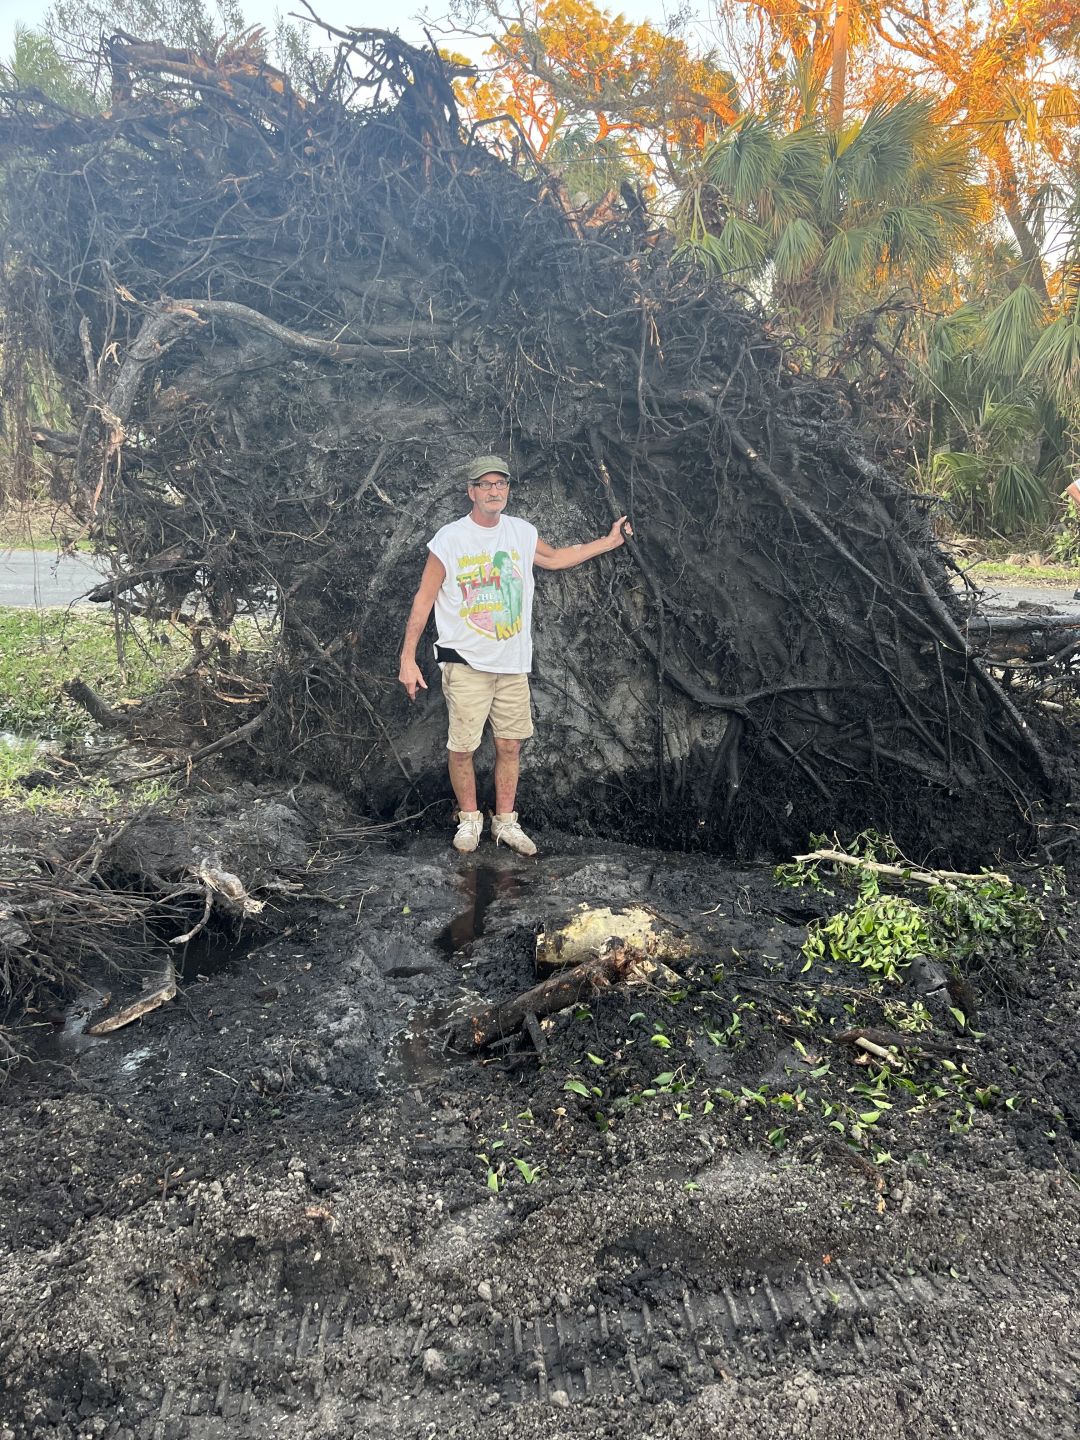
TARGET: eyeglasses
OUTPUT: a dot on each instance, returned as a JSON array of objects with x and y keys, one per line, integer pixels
[{"x": 490, "y": 484}]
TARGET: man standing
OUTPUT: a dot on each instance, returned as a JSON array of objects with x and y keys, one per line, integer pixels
[{"x": 479, "y": 578}]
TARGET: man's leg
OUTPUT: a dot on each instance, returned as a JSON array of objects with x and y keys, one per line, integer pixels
[
  {"x": 463, "y": 777},
  {"x": 511, "y": 722},
  {"x": 507, "y": 769},
  {"x": 468, "y": 700}
]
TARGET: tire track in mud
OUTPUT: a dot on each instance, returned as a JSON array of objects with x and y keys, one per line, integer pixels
[{"x": 830, "y": 1320}]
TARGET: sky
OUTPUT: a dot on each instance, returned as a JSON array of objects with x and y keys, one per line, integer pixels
[{"x": 398, "y": 15}]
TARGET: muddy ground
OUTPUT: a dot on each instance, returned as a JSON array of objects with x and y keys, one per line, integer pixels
[{"x": 276, "y": 1208}]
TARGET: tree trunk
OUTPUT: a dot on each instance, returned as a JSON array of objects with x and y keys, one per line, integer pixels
[
  {"x": 1030, "y": 254},
  {"x": 838, "y": 82}
]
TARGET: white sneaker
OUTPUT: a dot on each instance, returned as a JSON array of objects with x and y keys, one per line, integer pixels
[
  {"x": 505, "y": 830},
  {"x": 470, "y": 824}
]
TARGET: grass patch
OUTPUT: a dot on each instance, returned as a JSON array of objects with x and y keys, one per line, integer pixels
[
  {"x": 40, "y": 649},
  {"x": 95, "y": 795},
  {"x": 39, "y": 527},
  {"x": 17, "y": 757},
  {"x": 1026, "y": 574}
]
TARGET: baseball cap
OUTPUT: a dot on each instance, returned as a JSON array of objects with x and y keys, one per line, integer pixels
[{"x": 487, "y": 465}]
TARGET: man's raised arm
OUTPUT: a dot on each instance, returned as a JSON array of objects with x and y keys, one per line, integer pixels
[
  {"x": 565, "y": 558},
  {"x": 409, "y": 673}
]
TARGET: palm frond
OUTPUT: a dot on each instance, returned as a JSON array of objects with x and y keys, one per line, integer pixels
[
  {"x": 1018, "y": 496},
  {"x": 913, "y": 238},
  {"x": 744, "y": 161},
  {"x": 949, "y": 351},
  {"x": 878, "y": 160},
  {"x": 962, "y": 479},
  {"x": 742, "y": 246},
  {"x": 846, "y": 253},
  {"x": 1055, "y": 361},
  {"x": 797, "y": 251},
  {"x": 796, "y": 189},
  {"x": 1009, "y": 331},
  {"x": 702, "y": 249},
  {"x": 1003, "y": 425}
]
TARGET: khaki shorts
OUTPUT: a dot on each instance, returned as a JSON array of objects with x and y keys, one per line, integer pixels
[{"x": 475, "y": 696}]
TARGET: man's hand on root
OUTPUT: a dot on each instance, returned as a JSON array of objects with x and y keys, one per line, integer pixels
[
  {"x": 619, "y": 531},
  {"x": 411, "y": 678}
]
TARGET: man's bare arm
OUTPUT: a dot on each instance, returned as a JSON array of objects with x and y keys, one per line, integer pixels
[
  {"x": 409, "y": 673},
  {"x": 565, "y": 558}
]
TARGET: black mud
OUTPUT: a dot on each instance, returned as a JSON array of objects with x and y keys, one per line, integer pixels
[{"x": 276, "y": 1207}]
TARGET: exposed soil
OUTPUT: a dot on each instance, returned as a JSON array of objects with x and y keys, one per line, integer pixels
[{"x": 263, "y": 1210}]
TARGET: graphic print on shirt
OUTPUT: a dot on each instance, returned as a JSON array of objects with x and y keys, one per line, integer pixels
[{"x": 492, "y": 588}]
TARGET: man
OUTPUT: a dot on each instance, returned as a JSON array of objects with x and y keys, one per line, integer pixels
[{"x": 479, "y": 578}]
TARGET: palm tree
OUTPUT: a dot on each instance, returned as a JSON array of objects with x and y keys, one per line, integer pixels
[
  {"x": 1001, "y": 378},
  {"x": 821, "y": 219}
]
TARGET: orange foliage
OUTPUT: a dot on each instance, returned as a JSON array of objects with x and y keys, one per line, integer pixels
[
  {"x": 1006, "y": 72},
  {"x": 570, "y": 60}
]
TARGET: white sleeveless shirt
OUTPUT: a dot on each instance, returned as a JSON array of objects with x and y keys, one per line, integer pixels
[{"x": 484, "y": 606}]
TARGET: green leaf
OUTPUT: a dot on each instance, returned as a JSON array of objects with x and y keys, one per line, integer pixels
[
  {"x": 1019, "y": 496},
  {"x": 1009, "y": 332},
  {"x": 797, "y": 251},
  {"x": 1055, "y": 360},
  {"x": 958, "y": 1016},
  {"x": 742, "y": 246},
  {"x": 576, "y": 1087}
]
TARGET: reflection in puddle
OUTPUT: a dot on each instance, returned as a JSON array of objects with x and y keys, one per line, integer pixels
[{"x": 483, "y": 884}]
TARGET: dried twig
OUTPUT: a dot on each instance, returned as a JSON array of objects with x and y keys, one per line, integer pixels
[{"x": 900, "y": 872}]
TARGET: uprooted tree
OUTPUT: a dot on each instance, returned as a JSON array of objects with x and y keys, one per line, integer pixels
[{"x": 286, "y": 321}]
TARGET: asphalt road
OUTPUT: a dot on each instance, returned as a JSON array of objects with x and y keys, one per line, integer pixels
[
  {"x": 1009, "y": 596},
  {"x": 35, "y": 578}
]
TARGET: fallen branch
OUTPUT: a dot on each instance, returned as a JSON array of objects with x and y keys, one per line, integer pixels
[
  {"x": 899, "y": 872},
  {"x": 94, "y": 705},
  {"x": 883, "y": 1044},
  {"x": 991, "y": 625},
  {"x": 143, "y": 1006},
  {"x": 243, "y": 732},
  {"x": 342, "y": 351},
  {"x": 616, "y": 965}
]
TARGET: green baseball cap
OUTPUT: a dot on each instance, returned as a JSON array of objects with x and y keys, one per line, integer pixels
[{"x": 487, "y": 465}]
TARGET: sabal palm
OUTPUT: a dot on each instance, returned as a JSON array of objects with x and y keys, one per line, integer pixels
[
  {"x": 822, "y": 216},
  {"x": 1001, "y": 376}
]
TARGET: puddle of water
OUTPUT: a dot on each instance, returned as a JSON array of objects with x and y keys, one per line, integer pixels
[
  {"x": 212, "y": 952},
  {"x": 64, "y": 1038},
  {"x": 483, "y": 885},
  {"x": 135, "y": 1058},
  {"x": 420, "y": 1052}
]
